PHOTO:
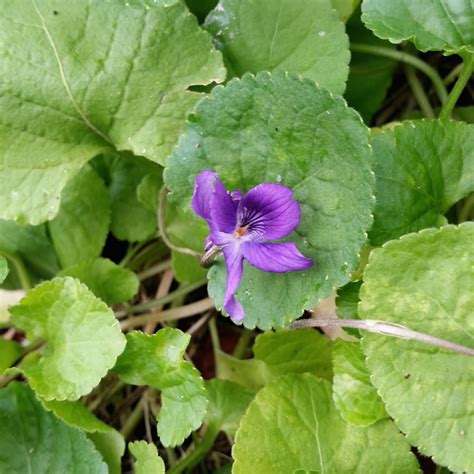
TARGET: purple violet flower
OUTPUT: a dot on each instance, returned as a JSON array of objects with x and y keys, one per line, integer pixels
[{"x": 242, "y": 226}]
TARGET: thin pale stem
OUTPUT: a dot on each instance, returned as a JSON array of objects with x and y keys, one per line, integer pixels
[
  {"x": 134, "y": 418},
  {"x": 139, "y": 308},
  {"x": 418, "y": 92},
  {"x": 162, "y": 227},
  {"x": 387, "y": 329},
  {"x": 163, "y": 289},
  {"x": 456, "y": 91},
  {"x": 406, "y": 58},
  {"x": 199, "y": 323},
  {"x": 154, "y": 270},
  {"x": 169, "y": 315},
  {"x": 216, "y": 344}
]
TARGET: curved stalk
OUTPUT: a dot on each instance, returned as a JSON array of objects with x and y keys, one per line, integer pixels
[
  {"x": 456, "y": 91},
  {"x": 387, "y": 329},
  {"x": 162, "y": 227},
  {"x": 406, "y": 58}
]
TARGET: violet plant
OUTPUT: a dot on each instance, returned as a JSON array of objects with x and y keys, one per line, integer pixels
[
  {"x": 241, "y": 227},
  {"x": 345, "y": 140}
]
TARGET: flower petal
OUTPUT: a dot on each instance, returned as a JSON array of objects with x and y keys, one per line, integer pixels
[
  {"x": 213, "y": 203},
  {"x": 279, "y": 258},
  {"x": 234, "y": 264},
  {"x": 269, "y": 211}
]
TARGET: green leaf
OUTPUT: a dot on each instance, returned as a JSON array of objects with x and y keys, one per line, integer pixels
[
  {"x": 354, "y": 395},
  {"x": 347, "y": 300},
  {"x": 157, "y": 361},
  {"x": 147, "y": 459},
  {"x": 422, "y": 167},
  {"x": 9, "y": 353},
  {"x": 131, "y": 220},
  {"x": 433, "y": 25},
  {"x": 293, "y": 425},
  {"x": 302, "y": 36},
  {"x": 424, "y": 281},
  {"x": 35, "y": 441},
  {"x": 82, "y": 224},
  {"x": 186, "y": 267},
  {"x": 90, "y": 77},
  {"x": 299, "y": 351},
  {"x": 148, "y": 191},
  {"x": 370, "y": 76},
  {"x": 227, "y": 404},
  {"x": 279, "y": 353},
  {"x": 32, "y": 245},
  {"x": 283, "y": 129},
  {"x": 3, "y": 269},
  {"x": 345, "y": 8},
  {"x": 108, "y": 441},
  {"x": 108, "y": 281},
  {"x": 83, "y": 338}
]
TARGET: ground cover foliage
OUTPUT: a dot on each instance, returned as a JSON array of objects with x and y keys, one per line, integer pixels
[{"x": 116, "y": 353}]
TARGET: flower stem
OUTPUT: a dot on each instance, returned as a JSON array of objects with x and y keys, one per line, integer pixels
[
  {"x": 418, "y": 92},
  {"x": 387, "y": 329},
  {"x": 407, "y": 59},
  {"x": 456, "y": 91},
  {"x": 195, "y": 456},
  {"x": 162, "y": 227}
]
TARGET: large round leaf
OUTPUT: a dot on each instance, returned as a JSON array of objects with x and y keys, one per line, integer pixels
[
  {"x": 439, "y": 25},
  {"x": 301, "y": 36},
  {"x": 422, "y": 167},
  {"x": 293, "y": 426},
  {"x": 82, "y": 336},
  {"x": 283, "y": 129},
  {"x": 82, "y": 77},
  {"x": 425, "y": 281}
]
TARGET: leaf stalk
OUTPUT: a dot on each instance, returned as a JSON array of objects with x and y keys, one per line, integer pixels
[{"x": 387, "y": 329}]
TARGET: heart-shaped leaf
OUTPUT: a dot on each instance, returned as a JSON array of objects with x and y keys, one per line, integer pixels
[
  {"x": 302, "y": 36},
  {"x": 425, "y": 281},
  {"x": 88, "y": 77},
  {"x": 283, "y": 129},
  {"x": 83, "y": 338},
  {"x": 293, "y": 426}
]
